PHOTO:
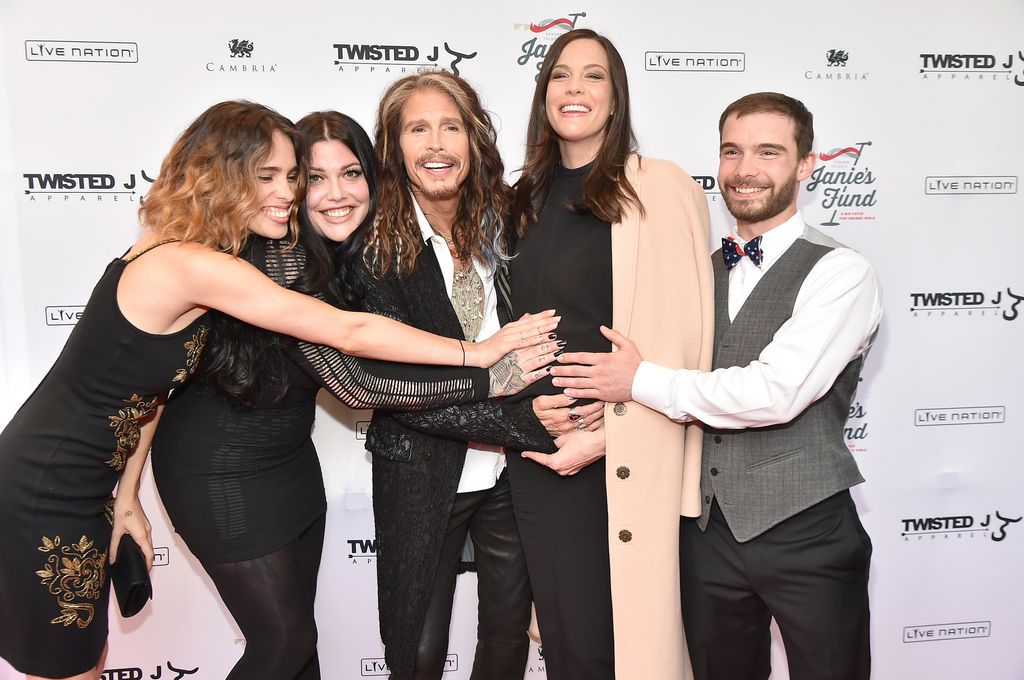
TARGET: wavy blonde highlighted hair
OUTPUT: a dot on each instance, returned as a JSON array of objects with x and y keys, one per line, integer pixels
[{"x": 207, "y": 189}]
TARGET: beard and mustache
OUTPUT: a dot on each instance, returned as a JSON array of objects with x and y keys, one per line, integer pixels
[{"x": 775, "y": 200}]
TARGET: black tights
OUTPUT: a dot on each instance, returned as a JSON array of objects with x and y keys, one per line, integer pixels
[{"x": 271, "y": 598}]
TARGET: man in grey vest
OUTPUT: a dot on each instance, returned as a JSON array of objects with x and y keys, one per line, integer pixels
[{"x": 795, "y": 314}]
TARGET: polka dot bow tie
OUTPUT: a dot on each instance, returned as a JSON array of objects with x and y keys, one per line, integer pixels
[{"x": 733, "y": 252}]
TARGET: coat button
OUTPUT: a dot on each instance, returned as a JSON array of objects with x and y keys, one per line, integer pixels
[
  {"x": 707, "y": 500},
  {"x": 425, "y": 455},
  {"x": 714, "y": 472},
  {"x": 622, "y": 472},
  {"x": 619, "y": 409},
  {"x": 718, "y": 440},
  {"x": 625, "y": 536}
]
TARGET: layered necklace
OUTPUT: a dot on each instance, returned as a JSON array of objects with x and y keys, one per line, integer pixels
[{"x": 467, "y": 292}]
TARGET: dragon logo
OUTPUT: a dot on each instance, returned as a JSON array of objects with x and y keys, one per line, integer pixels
[
  {"x": 837, "y": 57},
  {"x": 240, "y": 48}
]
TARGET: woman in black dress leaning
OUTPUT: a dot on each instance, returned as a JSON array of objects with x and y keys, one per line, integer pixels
[
  {"x": 231, "y": 173},
  {"x": 233, "y": 458}
]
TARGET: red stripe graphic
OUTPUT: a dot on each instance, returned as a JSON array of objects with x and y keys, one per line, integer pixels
[
  {"x": 540, "y": 28},
  {"x": 852, "y": 150}
]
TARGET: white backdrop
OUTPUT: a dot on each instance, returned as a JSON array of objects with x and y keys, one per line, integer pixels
[{"x": 918, "y": 108}]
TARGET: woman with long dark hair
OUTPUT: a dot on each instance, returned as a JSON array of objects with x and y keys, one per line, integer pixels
[
  {"x": 233, "y": 458},
  {"x": 87, "y": 428},
  {"x": 621, "y": 241}
]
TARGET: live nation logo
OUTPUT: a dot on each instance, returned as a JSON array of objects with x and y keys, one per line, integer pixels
[
  {"x": 1002, "y": 304},
  {"x": 238, "y": 58},
  {"x": 63, "y": 315},
  {"x": 991, "y": 525},
  {"x": 398, "y": 59},
  {"x": 973, "y": 67},
  {"x": 959, "y": 415},
  {"x": 82, "y": 50},
  {"x": 938, "y": 632},
  {"x": 696, "y": 62},
  {"x": 361, "y": 550},
  {"x": 836, "y": 68},
  {"x": 970, "y": 185},
  {"x": 57, "y": 187},
  {"x": 376, "y": 666},
  {"x": 846, "y": 185}
]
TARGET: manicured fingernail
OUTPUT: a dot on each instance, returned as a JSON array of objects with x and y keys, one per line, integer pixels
[
  {"x": 561, "y": 343},
  {"x": 552, "y": 336},
  {"x": 547, "y": 369},
  {"x": 559, "y": 353}
]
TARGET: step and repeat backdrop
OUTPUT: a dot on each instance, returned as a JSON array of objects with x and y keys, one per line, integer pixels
[{"x": 918, "y": 109}]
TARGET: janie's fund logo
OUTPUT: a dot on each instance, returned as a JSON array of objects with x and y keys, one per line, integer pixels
[
  {"x": 542, "y": 33},
  {"x": 845, "y": 184}
]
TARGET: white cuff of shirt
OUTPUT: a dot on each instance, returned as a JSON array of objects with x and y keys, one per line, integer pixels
[{"x": 654, "y": 386}]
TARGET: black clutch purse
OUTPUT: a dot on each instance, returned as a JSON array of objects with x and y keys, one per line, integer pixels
[{"x": 130, "y": 578}]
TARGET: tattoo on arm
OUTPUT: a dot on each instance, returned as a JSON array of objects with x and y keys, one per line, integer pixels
[{"x": 506, "y": 376}]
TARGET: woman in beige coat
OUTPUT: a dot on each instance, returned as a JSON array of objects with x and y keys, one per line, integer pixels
[{"x": 608, "y": 239}]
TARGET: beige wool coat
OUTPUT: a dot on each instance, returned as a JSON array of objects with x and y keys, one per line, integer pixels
[{"x": 662, "y": 299}]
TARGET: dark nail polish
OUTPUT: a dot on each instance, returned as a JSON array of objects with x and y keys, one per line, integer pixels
[
  {"x": 552, "y": 336},
  {"x": 559, "y": 353},
  {"x": 560, "y": 343}
]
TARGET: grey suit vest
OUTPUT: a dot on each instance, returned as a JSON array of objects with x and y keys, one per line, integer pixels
[{"x": 763, "y": 475}]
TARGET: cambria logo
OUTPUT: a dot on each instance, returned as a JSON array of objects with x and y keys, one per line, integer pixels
[
  {"x": 973, "y": 67},
  {"x": 837, "y": 57},
  {"x": 966, "y": 303},
  {"x": 957, "y": 526},
  {"x": 240, "y": 49},
  {"x": 404, "y": 59},
  {"x": 835, "y": 68}
]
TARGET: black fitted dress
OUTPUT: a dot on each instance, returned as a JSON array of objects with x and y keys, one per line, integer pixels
[
  {"x": 239, "y": 483},
  {"x": 565, "y": 262},
  {"x": 60, "y": 458}
]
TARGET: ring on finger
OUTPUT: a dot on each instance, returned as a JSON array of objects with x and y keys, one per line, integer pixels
[
  {"x": 573, "y": 416},
  {"x": 581, "y": 424}
]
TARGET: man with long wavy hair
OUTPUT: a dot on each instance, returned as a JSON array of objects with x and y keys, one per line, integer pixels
[{"x": 436, "y": 257}]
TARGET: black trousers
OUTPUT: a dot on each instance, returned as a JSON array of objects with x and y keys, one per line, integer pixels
[
  {"x": 809, "y": 572},
  {"x": 564, "y": 525},
  {"x": 503, "y": 589}
]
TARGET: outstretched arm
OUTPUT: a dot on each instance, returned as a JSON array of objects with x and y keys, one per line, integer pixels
[
  {"x": 129, "y": 517},
  {"x": 235, "y": 287}
]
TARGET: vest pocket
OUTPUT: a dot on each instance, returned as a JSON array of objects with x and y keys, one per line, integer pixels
[{"x": 777, "y": 458}]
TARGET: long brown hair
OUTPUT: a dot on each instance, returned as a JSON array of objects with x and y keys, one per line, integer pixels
[
  {"x": 484, "y": 198},
  {"x": 606, "y": 190},
  {"x": 207, "y": 190}
]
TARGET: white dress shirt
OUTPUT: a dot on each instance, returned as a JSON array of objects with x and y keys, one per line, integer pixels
[
  {"x": 834, "y": 319},
  {"x": 484, "y": 463}
]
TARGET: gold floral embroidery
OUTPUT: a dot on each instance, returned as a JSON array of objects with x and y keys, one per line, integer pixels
[
  {"x": 108, "y": 510},
  {"x": 74, "y": 574},
  {"x": 194, "y": 349},
  {"x": 126, "y": 428}
]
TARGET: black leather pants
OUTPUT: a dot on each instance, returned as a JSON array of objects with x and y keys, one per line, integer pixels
[{"x": 503, "y": 589}]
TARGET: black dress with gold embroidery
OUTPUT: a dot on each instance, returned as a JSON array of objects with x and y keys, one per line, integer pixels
[{"x": 60, "y": 458}]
